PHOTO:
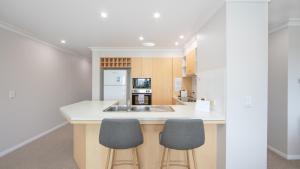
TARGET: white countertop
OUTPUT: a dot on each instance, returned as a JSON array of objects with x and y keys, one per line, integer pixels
[{"x": 86, "y": 112}]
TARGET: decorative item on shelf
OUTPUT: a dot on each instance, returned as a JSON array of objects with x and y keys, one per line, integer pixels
[{"x": 115, "y": 62}]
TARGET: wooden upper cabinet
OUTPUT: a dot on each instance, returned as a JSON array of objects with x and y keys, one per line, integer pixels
[
  {"x": 162, "y": 89},
  {"x": 136, "y": 67},
  {"x": 191, "y": 62},
  {"x": 141, "y": 67},
  {"x": 147, "y": 67}
]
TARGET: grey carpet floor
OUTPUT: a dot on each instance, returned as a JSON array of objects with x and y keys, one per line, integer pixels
[
  {"x": 54, "y": 151},
  {"x": 277, "y": 162}
]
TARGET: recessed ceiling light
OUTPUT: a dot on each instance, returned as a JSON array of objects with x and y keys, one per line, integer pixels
[
  {"x": 181, "y": 37},
  {"x": 156, "y": 15},
  {"x": 103, "y": 14},
  {"x": 141, "y": 38},
  {"x": 176, "y": 43},
  {"x": 149, "y": 44},
  {"x": 63, "y": 41}
]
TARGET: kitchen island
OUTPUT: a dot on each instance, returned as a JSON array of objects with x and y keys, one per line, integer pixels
[{"x": 86, "y": 118}]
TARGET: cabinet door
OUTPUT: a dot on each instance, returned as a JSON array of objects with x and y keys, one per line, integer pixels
[
  {"x": 147, "y": 67},
  {"x": 191, "y": 62},
  {"x": 162, "y": 81},
  {"x": 136, "y": 67}
]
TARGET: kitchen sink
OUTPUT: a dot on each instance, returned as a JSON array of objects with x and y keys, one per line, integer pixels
[
  {"x": 125, "y": 108},
  {"x": 116, "y": 108},
  {"x": 140, "y": 108}
]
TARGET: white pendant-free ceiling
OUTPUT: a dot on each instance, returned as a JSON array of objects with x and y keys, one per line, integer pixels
[
  {"x": 80, "y": 24},
  {"x": 121, "y": 23}
]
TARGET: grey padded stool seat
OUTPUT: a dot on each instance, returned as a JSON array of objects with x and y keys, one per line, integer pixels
[
  {"x": 181, "y": 134},
  {"x": 121, "y": 134}
]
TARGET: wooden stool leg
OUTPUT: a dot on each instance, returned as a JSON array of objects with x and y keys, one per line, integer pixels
[
  {"x": 113, "y": 158},
  {"x": 188, "y": 159},
  {"x": 134, "y": 158},
  {"x": 168, "y": 158},
  {"x": 138, "y": 159},
  {"x": 108, "y": 159},
  {"x": 194, "y": 159},
  {"x": 163, "y": 159}
]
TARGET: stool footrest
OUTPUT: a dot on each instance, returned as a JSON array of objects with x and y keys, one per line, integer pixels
[
  {"x": 112, "y": 162},
  {"x": 179, "y": 163},
  {"x": 124, "y": 162},
  {"x": 176, "y": 164}
]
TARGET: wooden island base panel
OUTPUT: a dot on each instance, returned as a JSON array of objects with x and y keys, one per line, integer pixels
[{"x": 89, "y": 154}]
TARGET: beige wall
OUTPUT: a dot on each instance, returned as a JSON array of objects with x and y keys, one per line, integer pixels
[
  {"x": 44, "y": 79},
  {"x": 277, "y": 103},
  {"x": 294, "y": 93},
  {"x": 284, "y": 75}
]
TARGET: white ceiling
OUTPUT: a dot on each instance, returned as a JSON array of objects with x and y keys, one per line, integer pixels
[
  {"x": 281, "y": 10},
  {"x": 80, "y": 24}
]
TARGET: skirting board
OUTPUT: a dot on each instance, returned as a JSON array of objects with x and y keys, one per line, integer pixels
[
  {"x": 9, "y": 150},
  {"x": 284, "y": 155}
]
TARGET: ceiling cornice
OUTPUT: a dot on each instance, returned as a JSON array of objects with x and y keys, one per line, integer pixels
[
  {"x": 28, "y": 35},
  {"x": 128, "y": 49},
  {"x": 249, "y": 1},
  {"x": 290, "y": 22},
  {"x": 135, "y": 52},
  {"x": 294, "y": 22},
  {"x": 278, "y": 28}
]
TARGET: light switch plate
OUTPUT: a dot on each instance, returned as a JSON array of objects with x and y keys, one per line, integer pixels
[
  {"x": 11, "y": 94},
  {"x": 248, "y": 101}
]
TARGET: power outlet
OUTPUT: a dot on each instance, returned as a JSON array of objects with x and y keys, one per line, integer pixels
[{"x": 213, "y": 103}]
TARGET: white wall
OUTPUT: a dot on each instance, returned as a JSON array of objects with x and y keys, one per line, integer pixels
[
  {"x": 246, "y": 84},
  {"x": 294, "y": 92},
  {"x": 44, "y": 79},
  {"x": 277, "y": 102},
  {"x": 211, "y": 66},
  {"x": 211, "y": 58}
]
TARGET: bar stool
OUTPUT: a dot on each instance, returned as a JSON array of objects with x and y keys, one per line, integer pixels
[
  {"x": 183, "y": 134},
  {"x": 121, "y": 134}
]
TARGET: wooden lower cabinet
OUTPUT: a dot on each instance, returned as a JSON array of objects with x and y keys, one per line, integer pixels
[
  {"x": 162, "y": 81},
  {"x": 89, "y": 154}
]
